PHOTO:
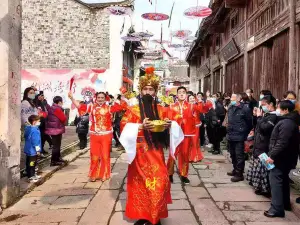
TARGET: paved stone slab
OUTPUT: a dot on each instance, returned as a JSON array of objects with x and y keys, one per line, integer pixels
[
  {"x": 180, "y": 217},
  {"x": 100, "y": 208},
  {"x": 115, "y": 182},
  {"x": 178, "y": 195},
  {"x": 217, "y": 180},
  {"x": 235, "y": 194},
  {"x": 207, "y": 211},
  {"x": 72, "y": 202},
  {"x": 54, "y": 187},
  {"x": 200, "y": 167},
  {"x": 192, "y": 170},
  {"x": 238, "y": 184},
  {"x": 209, "y": 185},
  {"x": 244, "y": 206},
  {"x": 176, "y": 187},
  {"x": 121, "y": 205},
  {"x": 93, "y": 185},
  {"x": 123, "y": 195},
  {"x": 214, "y": 223},
  {"x": 252, "y": 216},
  {"x": 63, "y": 192},
  {"x": 195, "y": 193},
  {"x": 48, "y": 216},
  {"x": 33, "y": 204},
  {"x": 119, "y": 218},
  {"x": 273, "y": 223},
  {"x": 194, "y": 180},
  {"x": 179, "y": 205}
]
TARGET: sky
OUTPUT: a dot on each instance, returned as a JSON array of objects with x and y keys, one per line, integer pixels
[{"x": 178, "y": 21}]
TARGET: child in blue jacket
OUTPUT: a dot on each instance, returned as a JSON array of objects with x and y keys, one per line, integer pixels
[{"x": 32, "y": 146}]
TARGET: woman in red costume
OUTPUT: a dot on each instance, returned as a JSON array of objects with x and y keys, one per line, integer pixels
[
  {"x": 148, "y": 185},
  {"x": 195, "y": 154},
  {"x": 100, "y": 135}
]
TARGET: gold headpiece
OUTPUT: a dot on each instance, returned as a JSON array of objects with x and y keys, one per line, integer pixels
[{"x": 150, "y": 79}]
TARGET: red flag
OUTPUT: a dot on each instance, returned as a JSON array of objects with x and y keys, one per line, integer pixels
[{"x": 72, "y": 82}]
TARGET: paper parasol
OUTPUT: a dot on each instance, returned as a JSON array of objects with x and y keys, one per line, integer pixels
[
  {"x": 130, "y": 38},
  {"x": 118, "y": 10},
  {"x": 176, "y": 46},
  {"x": 181, "y": 34},
  {"x": 160, "y": 41},
  {"x": 142, "y": 35},
  {"x": 197, "y": 12},
  {"x": 155, "y": 16}
]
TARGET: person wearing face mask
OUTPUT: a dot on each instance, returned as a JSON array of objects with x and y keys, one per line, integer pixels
[
  {"x": 252, "y": 101},
  {"x": 266, "y": 120},
  {"x": 28, "y": 106},
  {"x": 238, "y": 128},
  {"x": 32, "y": 147},
  {"x": 101, "y": 134},
  {"x": 55, "y": 127},
  {"x": 283, "y": 153}
]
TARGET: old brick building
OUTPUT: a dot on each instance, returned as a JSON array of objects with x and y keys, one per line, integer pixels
[{"x": 247, "y": 44}]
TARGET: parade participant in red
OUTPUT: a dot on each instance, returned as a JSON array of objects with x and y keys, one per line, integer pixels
[
  {"x": 100, "y": 135},
  {"x": 195, "y": 154},
  {"x": 184, "y": 114},
  {"x": 148, "y": 185}
]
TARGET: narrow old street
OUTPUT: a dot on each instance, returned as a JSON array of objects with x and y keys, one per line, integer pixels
[{"x": 211, "y": 199}]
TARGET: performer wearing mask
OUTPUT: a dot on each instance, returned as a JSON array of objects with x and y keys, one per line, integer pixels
[
  {"x": 100, "y": 135},
  {"x": 148, "y": 185},
  {"x": 184, "y": 114}
]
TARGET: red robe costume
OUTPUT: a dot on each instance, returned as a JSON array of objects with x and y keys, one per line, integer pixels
[
  {"x": 101, "y": 139},
  {"x": 185, "y": 115},
  {"x": 196, "y": 154},
  {"x": 148, "y": 185}
]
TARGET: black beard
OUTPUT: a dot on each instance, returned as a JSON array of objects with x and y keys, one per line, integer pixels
[{"x": 147, "y": 99}]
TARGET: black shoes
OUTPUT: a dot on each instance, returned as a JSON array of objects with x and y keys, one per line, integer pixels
[
  {"x": 185, "y": 180},
  {"x": 237, "y": 178},
  {"x": 273, "y": 215},
  {"x": 142, "y": 222},
  {"x": 171, "y": 179},
  {"x": 266, "y": 194},
  {"x": 232, "y": 173},
  {"x": 60, "y": 162},
  {"x": 146, "y": 222}
]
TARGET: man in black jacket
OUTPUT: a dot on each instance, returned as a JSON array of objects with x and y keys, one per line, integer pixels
[
  {"x": 239, "y": 126},
  {"x": 284, "y": 150}
]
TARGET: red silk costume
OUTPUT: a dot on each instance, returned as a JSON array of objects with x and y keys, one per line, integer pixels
[
  {"x": 148, "y": 186},
  {"x": 101, "y": 139},
  {"x": 196, "y": 154},
  {"x": 184, "y": 114}
]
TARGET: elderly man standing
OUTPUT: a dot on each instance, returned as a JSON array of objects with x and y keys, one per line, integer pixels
[{"x": 239, "y": 126}]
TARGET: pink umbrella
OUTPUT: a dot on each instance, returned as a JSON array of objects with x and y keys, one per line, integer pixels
[{"x": 197, "y": 12}]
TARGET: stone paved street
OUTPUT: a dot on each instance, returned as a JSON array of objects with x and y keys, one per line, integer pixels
[{"x": 211, "y": 199}]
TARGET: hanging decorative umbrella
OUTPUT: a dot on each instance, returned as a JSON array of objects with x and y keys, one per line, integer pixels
[
  {"x": 155, "y": 16},
  {"x": 142, "y": 35},
  {"x": 197, "y": 12},
  {"x": 181, "y": 34},
  {"x": 176, "y": 46},
  {"x": 130, "y": 38},
  {"x": 159, "y": 41},
  {"x": 118, "y": 10}
]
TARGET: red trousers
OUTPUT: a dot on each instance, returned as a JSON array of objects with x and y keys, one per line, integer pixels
[
  {"x": 196, "y": 154},
  {"x": 183, "y": 155},
  {"x": 100, "y": 156}
]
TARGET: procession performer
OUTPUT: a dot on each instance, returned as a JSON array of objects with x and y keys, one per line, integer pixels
[
  {"x": 184, "y": 114},
  {"x": 101, "y": 132},
  {"x": 196, "y": 153},
  {"x": 148, "y": 186}
]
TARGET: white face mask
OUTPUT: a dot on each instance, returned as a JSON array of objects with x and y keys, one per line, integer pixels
[
  {"x": 31, "y": 96},
  {"x": 248, "y": 94},
  {"x": 278, "y": 112},
  {"x": 38, "y": 124}
]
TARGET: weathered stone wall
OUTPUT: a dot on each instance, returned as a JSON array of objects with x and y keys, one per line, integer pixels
[
  {"x": 10, "y": 84},
  {"x": 64, "y": 34}
]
